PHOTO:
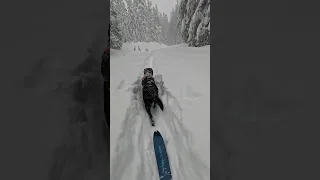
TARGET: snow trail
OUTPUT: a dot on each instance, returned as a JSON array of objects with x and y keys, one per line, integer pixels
[{"x": 134, "y": 156}]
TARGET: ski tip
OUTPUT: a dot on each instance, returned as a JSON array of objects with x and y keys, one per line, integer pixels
[{"x": 156, "y": 133}]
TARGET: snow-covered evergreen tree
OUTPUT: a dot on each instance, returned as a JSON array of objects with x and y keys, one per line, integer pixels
[
  {"x": 140, "y": 14},
  {"x": 121, "y": 11},
  {"x": 156, "y": 25},
  {"x": 137, "y": 20},
  {"x": 115, "y": 32},
  {"x": 183, "y": 19},
  {"x": 194, "y": 16},
  {"x": 165, "y": 27},
  {"x": 203, "y": 30},
  {"x": 172, "y": 28},
  {"x": 129, "y": 21},
  {"x": 174, "y": 31},
  {"x": 178, "y": 36},
  {"x": 149, "y": 32}
]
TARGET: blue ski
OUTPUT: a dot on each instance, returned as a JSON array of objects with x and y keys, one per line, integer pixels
[{"x": 162, "y": 157}]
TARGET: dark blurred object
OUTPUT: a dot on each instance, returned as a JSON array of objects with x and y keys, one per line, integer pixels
[{"x": 105, "y": 71}]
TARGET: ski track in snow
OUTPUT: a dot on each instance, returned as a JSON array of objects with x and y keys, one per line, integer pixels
[
  {"x": 134, "y": 156},
  {"x": 191, "y": 94}
]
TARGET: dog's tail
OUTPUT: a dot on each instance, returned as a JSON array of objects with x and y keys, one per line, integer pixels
[{"x": 159, "y": 102}]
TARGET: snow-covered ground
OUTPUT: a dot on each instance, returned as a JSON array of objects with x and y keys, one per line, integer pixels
[
  {"x": 184, "y": 123},
  {"x": 129, "y": 47}
]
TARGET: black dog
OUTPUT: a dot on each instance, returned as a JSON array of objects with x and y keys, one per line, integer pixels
[{"x": 150, "y": 93}]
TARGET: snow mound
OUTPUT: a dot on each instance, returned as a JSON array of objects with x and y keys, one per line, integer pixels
[
  {"x": 122, "y": 85},
  {"x": 190, "y": 94}
]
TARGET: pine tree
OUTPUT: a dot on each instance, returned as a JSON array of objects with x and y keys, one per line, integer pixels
[
  {"x": 129, "y": 21},
  {"x": 115, "y": 32},
  {"x": 153, "y": 25},
  {"x": 121, "y": 11},
  {"x": 149, "y": 33},
  {"x": 161, "y": 23},
  {"x": 156, "y": 25},
  {"x": 165, "y": 27},
  {"x": 173, "y": 30},
  {"x": 174, "y": 27},
  {"x": 194, "y": 16},
  {"x": 140, "y": 19},
  {"x": 203, "y": 30},
  {"x": 178, "y": 25},
  {"x": 183, "y": 20}
]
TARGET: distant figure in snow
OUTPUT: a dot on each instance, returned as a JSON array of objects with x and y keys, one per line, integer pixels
[{"x": 150, "y": 93}]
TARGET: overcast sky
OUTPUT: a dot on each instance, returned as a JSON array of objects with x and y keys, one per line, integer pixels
[{"x": 165, "y": 5}]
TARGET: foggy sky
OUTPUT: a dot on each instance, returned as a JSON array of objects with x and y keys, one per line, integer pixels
[{"x": 165, "y": 5}]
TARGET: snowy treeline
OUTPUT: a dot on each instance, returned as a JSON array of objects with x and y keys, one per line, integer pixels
[
  {"x": 136, "y": 20},
  {"x": 174, "y": 33},
  {"x": 194, "y": 16},
  {"x": 140, "y": 20}
]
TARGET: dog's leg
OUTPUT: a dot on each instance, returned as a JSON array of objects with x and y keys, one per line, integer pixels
[
  {"x": 159, "y": 102},
  {"x": 148, "y": 109}
]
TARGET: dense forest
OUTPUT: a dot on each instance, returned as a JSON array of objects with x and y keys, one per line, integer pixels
[{"x": 140, "y": 20}]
